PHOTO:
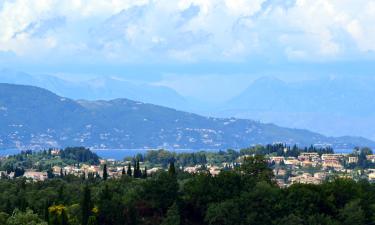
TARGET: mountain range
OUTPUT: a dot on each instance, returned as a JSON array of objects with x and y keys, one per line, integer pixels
[
  {"x": 333, "y": 106},
  {"x": 97, "y": 88},
  {"x": 32, "y": 117}
]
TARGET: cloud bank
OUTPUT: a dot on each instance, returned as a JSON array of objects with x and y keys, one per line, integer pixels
[{"x": 187, "y": 30}]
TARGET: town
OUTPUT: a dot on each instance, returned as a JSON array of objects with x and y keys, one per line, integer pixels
[{"x": 290, "y": 165}]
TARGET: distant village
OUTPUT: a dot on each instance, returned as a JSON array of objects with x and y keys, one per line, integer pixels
[{"x": 307, "y": 168}]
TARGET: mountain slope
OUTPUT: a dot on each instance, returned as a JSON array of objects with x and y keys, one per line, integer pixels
[
  {"x": 104, "y": 88},
  {"x": 32, "y": 117},
  {"x": 337, "y": 106}
]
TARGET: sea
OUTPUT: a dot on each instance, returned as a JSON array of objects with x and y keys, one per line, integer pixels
[{"x": 120, "y": 154}]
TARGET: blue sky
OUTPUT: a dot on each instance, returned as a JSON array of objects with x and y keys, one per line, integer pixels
[{"x": 190, "y": 45}]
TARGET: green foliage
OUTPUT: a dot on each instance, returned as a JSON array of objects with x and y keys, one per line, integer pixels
[
  {"x": 92, "y": 221},
  {"x": 80, "y": 154},
  {"x": 242, "y": 195},
  {"x": 3, "y": 217},
  {"x": 352, "y": 213},
  {"x": 173, "y": 216},
  {"x": 25, "y": 218},
  {"x": 129, "y": 170},
  {"x": 224, "y": 213},
  {"x": 44, "y": 160},
  {"x": 86, "y": 205},
  {"x": 257, "y": 167},
  {"x": 172, "y": 169},
  {"x": 105, "y": 172}
]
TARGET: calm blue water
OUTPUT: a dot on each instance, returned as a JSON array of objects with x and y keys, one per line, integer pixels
[{"x": 121, "y": 154}]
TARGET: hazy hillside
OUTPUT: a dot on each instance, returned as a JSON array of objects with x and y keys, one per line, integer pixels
[
  {"x": 337, "y": 106},
  {"x": 103, "y": 88},
  {"x": 32, "y": 117}
]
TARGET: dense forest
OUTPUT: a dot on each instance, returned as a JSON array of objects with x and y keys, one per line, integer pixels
[
  {"x": 44, "y": 160},
  {"x": 243, "y": 195}
]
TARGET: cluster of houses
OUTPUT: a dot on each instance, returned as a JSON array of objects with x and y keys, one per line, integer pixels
[
  {"x": 114, "y": 171},
  {"x": 308, "y": 168},
  {"x": 312, "y": 168}
]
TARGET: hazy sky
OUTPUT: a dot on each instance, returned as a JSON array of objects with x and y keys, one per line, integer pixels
[{"x": 191, "y": 45}]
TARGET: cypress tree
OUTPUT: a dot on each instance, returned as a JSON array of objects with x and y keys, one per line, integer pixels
[
  {"x": 105, "y": 172},
  {"x": 123, "y": 171},
  {"x": 8, "y": 207},
  {"x": 86, "y": 205},
  {"x": 50, "y": 173},
  {"x": 129, "y": 171},
  {"x": 135, "y": 173},
  {"x": 139, "y": 173},
  {"x": 61, "y": 173},
  {"x": 46, "y": 211},
  {"x": 64, "y": 218},
  {"x": 172, "y": 169},
  {"x": 145, "y": 173}
]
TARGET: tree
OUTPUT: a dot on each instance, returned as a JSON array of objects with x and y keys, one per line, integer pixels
[
  {"x": 172, "y": 169},
  {"x": 135, "y": 169},
  {"x": 46, "y": 211},
  {"x": 92, "y": 221},
  {"x": 18, "y": 172},
  {"x": 105, "y": 172},
  {"x": 352, "y": 213},
  {"x": 139, "y": 172},
  {"x": 129, "y": 170},
  {"x": 173, "y": 216},
  {"x": 61, "y": 173},
  {"x": 3, "y": 217},
  {"x": 123, "y": 172},
  {"x": 144, "y": 175},
  {"x": 225, "y": 213},
  {"x": 64, "y": 217},
  {"x": 50, "y": 174},
  {"x": 291, "y": 220},
  {"x": 25, "y": 218},
  {"x": 86, "y": 205},
  {"x": 257, "y": 167}
]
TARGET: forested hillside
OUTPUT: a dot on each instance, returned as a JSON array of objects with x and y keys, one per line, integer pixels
[
  {"x": 246, "y": 195},
  {"x": 35, "y": 118}
]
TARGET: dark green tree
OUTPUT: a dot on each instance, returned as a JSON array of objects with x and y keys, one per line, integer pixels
[
  {"x": 50, "y": 174},
  {"x": 86, "y": 205},
  {"x": 129, "y": 170},
  {"x": 61, "y": 173},
  {"x": 172, "y": 169},
  {"x": 45, "y": 211},
  {"x": 173, "y": 216},
  {"x": 105, "y": 172},
  {"x": 144, "y": 175},
  {"x": 257, "y": 167},
  {"x": 352, "y": 213},
  {"x": 225, "y": 213},
  {"x": 64, "y": 217},
  {"x": 92, "y": 221}
]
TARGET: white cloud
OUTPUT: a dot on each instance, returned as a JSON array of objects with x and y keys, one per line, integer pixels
[{"x": 187, "y": 30}]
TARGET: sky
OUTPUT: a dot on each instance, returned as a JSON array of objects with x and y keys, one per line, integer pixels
[{"x": 194, "y": 46}]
